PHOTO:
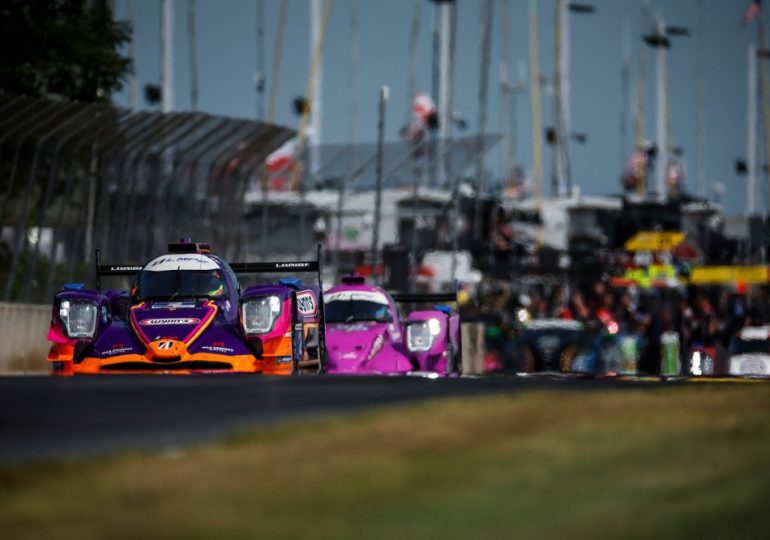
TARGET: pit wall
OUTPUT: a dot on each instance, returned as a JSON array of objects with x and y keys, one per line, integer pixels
[{"x": 23, "y": 344}]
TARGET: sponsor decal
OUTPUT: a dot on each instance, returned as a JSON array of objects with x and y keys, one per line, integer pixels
[
  {"x": 348, "y": 296},
  {"x": 165, "y": 345},
  {"x": 125, "y": 268},
  {"x": 182, "y": 262},
  {"x": 117, "y": 350},
  {"x": 227, "y": 305},
  {"x": 292, "y": 265},
  {"x": 306, "y": 303},
  {"x": 172, "y": 305},
  {"x": 178, "y": 321},
  {"x": 218, "y": 349},
  {"x": 283, "y": 359},
  {"x": 342, "y": 327}
]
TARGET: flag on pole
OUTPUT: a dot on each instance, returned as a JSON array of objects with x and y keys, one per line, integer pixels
[
  {"x": 424, "y": 116},
  {"x": 278, "y": 165},
  {"x": 752, "y": 12},
  {"x": 283, "y": 157},
  {"x": 423, "y": 106}
]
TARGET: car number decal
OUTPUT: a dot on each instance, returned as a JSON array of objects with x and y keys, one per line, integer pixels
[{"x": 306, "y": 303}]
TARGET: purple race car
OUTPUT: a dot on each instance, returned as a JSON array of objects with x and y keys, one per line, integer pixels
[
  {"x": 186, "y": 312},
  {"x": 366, "y": 335}
]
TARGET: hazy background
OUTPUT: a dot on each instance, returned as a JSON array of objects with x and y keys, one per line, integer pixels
[{"x": 227, "y": 62}]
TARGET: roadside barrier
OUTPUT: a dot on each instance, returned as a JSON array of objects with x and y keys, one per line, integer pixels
[
  {"x": 670, "y": 361},
  {"x": 629, "y": 356},
  {"x": 473, "y": 345},
  {"x": 23, "y": 344}
]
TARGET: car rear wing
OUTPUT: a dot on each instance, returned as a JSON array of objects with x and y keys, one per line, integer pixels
[
  {"x": 408, "y": 298},
  {"x": 287, "y": 267},
  {"x": 112, "y": 269},
  {"x": 422, "y": 298}
]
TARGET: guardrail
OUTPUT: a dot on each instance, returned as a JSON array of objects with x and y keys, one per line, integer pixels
[{"x": 23, "y": 345}]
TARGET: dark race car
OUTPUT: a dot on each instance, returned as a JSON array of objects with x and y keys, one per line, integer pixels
[
  {"x": 563, "y": 346},
  {"x": 186, "y": 312}
]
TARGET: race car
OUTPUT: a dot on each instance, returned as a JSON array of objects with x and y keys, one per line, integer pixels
[
  {"x": 366, "y": 334},
  {"x": 186, "y": 312},
  {"x": 564, "y": 346},
  {"x": 747, "y": 356}
]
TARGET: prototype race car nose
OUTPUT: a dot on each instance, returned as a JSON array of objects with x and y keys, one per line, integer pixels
[
  {"x": 167, "y": 349},
  {"x": 353, "y": 346},
  {"x": 181, "y": 322}
]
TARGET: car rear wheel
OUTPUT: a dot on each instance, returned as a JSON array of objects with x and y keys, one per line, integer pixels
[
  {"x": 567, "y": 358},
  {"x": 524, "y": 361},
  {"x": 453, "y": 362}
]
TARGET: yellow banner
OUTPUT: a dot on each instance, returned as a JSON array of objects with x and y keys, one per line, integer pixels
[
  {"x": 729, "y": 275},
  {"x": 654, "y": 241},
  {"x": 654, "y": 275}
]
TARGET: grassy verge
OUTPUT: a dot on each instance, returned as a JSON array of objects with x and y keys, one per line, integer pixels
[{"x": 681, "y": 462}]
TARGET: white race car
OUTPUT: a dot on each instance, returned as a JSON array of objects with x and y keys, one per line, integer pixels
[{"x": 749, "y": 353}]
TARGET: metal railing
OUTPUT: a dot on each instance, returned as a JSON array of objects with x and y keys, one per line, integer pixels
[{"x": 76, "y": 176}]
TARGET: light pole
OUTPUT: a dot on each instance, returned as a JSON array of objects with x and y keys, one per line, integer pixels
[
  {"x": 751, "y": 130},
  {"x": 378, "y": 191},
  {"x": 561, "y": 179},
  {"x": 659, "y": 40},
  {"x": 167, "y": 55}
]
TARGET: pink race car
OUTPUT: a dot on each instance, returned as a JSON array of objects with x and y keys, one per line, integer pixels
[{"x": 365, "y": 334}]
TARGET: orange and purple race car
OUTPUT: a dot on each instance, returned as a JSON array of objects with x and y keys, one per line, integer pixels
[{"x": 186, "y": 312}]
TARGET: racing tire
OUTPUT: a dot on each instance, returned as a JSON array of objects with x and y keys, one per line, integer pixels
[
  {"x": 323, "y": 361},
  {"x": 82, "y": 348},
  {"x": 298, "y": 351},
  {"x": 524, "y": 362},
  {"x": 311, "y": 343},
  {"x": 453, "y": 363},
  {"x": 567, "y": 358}
]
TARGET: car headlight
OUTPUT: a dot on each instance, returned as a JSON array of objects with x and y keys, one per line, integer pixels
[
  {"x": 701, "y": 364},
  {"x": 260, "y": 313},
  {"x": 421, "y": 334},
  {"x": 79, "y": 318}
]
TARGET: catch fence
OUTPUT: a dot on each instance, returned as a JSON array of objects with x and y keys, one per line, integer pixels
[{"x": 77, "y": 176}]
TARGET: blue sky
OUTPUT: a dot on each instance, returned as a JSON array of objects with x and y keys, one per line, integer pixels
[{"x": 227, "y": 59}]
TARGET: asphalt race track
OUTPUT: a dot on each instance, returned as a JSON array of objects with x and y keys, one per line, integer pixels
[{"x": 44, "y": 417}]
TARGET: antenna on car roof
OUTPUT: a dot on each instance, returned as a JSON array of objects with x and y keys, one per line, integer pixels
[
  {"x": 322, "y": 318},
  {"x": 97, "y": 260}
]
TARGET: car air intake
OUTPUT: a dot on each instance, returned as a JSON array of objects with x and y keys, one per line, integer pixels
[{"x": 145, "y": 366}]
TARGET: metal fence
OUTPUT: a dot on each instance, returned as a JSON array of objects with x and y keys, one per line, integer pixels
[{"x": 76, "y": 176}]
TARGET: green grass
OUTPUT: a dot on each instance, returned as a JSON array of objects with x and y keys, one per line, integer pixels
[{"x": 678, "y": 462}]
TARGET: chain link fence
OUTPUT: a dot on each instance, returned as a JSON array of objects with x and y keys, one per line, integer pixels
[{"x": 78, "y": 176}]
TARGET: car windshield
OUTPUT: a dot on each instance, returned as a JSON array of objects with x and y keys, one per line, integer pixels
[
  {"x": 750, "y": 346},
  {"x": 173, "y": 284},
  {"x": 345, "y": 311}
]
